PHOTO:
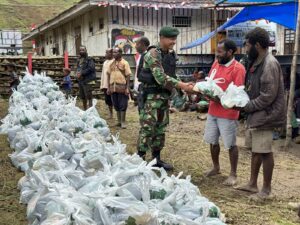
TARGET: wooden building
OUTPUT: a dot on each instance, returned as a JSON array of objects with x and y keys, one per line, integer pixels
[{"x": 99, "y": 25}]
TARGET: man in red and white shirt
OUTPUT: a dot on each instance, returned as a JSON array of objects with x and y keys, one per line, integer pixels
[{"x": 223, "y": 122}]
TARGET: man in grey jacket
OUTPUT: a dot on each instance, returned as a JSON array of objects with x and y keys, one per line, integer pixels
[{"x": 266, "y": 109}]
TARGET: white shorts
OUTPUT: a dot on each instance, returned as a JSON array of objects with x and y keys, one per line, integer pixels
[{"x": 216, "y": 127}]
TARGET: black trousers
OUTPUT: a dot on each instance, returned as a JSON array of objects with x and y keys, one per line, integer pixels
[
  {"x": 120, "y": 101},
  {"x": 108, "y": 100}
]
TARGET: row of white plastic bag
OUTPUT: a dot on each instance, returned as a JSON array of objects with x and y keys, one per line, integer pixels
[{"x": 77, "y": 173}]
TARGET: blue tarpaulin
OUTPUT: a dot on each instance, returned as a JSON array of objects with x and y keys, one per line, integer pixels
[{"x": 284, "y": 14}]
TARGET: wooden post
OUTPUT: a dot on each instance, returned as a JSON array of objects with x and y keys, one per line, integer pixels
[
  {"x": 216, "y": 27},
  {"x": 290, "y": 108},
  {"x": 29, "y": 59},
  {"x": 66, "y": 59}
]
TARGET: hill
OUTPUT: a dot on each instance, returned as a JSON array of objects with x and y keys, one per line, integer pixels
[{"x": 21, "y": 14}]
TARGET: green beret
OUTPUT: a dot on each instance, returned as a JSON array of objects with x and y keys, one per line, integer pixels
[{"x": 169, "y": 32}]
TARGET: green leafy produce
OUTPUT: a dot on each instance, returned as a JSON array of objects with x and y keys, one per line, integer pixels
[
  {"x": 99, "y": 124},
  {"x": 213, "y": 212},
  {"x": 77, "y": 130},
  {"x": 130, "y": 221},
  {"x": 161, "y": 194},
  {"x": 25, "y": 121}
]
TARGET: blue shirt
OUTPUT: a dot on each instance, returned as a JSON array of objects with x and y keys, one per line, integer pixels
[{"x": 67, "y": 82}]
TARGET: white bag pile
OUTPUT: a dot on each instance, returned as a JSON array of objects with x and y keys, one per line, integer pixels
[
  {"x": 210, "y": 86},
  {"x": 234, "y": 96},
  {"x": 76, "y": 173}
]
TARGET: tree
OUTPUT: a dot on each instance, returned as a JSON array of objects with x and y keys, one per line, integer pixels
[{"x": 293, "y": 83}]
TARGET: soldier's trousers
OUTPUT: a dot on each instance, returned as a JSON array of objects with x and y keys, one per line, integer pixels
[{"x": 154, "y": 118}]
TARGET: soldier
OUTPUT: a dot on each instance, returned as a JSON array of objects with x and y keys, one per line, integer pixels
[{"x": 158, "y": 79}]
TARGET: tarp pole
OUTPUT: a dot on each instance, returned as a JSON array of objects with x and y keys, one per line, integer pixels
[
  {"x": 66, "y": 59},
  {"x": 215, "y": 28},
  {"x": 290, "y": 108},
  {"x": 29, "y": 59}
]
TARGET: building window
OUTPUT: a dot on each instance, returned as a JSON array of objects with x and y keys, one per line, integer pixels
[
  {"x": 182, "y": 21},
  {"x": 289, "y": 41},
  {"x": 101, "y": 24},
  {"x": 91, "y": 28}
]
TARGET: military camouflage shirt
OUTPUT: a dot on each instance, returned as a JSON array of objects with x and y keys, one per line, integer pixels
[{"x": 152, "y": 60}]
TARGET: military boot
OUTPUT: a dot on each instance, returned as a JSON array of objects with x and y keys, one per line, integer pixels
[
  {"x": 119, "y": 118},
  {"x": 159, "y": 162}
]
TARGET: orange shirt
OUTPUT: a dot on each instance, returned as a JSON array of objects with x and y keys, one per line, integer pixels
[{"x": 234, "y": 72}]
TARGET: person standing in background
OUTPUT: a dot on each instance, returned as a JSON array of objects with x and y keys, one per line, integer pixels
[
  {"x": 118, "y": 77},
  {"x": 14, "y": 79},
  {"x": 86, "y": 75},
  {"x": 104, "y": 80},
  {"x": 67, "y": 82},
  {"x": 142, "y": 45}
]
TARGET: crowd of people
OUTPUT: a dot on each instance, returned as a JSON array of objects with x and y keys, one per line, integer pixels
[{"x": 156, "y": 80}]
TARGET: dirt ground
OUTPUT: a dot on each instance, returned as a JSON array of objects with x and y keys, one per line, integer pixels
[{"x": 187, "y": 152}]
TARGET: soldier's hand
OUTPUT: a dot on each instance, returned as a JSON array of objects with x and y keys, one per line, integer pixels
[
  {"x": 127, "y": 91},
  {"x": 187, "y": 87}
]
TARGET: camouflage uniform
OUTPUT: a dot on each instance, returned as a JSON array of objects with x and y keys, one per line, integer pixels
[{"x": 154, "y": 116}]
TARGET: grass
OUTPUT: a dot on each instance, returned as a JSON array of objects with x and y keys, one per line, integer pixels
[{"x": 21, "y": 14}]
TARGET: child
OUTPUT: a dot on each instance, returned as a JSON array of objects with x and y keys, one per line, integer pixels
[
  {"x": 67, "y": 82},
  {"x": 14, "y": 79}
]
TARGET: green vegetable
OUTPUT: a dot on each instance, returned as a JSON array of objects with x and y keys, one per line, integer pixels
[
  {"x": 203, "y": 103},
  {"x": 161, "y": 194},
  {"x": 77, "y": 130},
  {"x": 25, "y": 122},
  {"x": 130, "y": 221},
  {"x": 179, "y": 101},
  {"x": 213, "y": 212},
  {"x": 99, "y": 124}
]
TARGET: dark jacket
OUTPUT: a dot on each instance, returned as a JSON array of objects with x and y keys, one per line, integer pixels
[
  {"x": 87, "y": 69},
  {"x": 267, "y": 106}
]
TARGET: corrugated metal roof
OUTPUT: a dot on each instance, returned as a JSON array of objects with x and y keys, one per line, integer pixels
[{"x": 157, "y": 3}]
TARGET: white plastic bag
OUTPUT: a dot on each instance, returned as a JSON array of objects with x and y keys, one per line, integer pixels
[
  {"x": 210, "y": 86},
  {"x": 234, "y": 96}
]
